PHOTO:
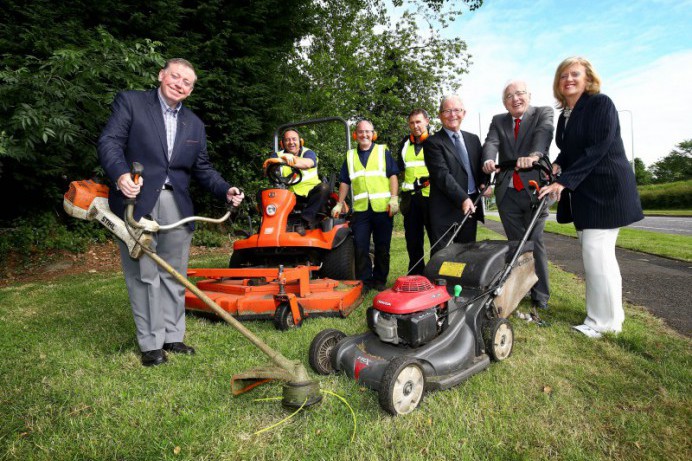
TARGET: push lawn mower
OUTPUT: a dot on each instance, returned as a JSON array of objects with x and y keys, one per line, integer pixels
[
  {"x": 282, "y": 239},
  {"x": 89, "y": 201},
  {"x": 433, "y": 332}
]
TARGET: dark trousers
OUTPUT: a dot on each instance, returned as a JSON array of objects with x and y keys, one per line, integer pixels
[
  {"x": 467, "y": 234},
  {"x": 314, "y": 202},
  {"x": 365, "y": 224},
  {"x": 416, "y": 222},
  {"x": 515, "y": 213}
]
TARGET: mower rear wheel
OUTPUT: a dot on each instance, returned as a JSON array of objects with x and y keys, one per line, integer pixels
[
  {"x": 402, "y": 387},
  {"x": 499, "y": 338},
  {"x": 283, "y": 318},
  {"x": 322, "y": 349},
  {"x": 340, "y": 262}
]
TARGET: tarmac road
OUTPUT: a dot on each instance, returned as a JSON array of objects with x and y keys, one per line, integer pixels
[{"x": 661, "y": 285}]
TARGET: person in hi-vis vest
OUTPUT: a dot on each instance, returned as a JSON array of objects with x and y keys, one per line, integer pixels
[
  {"x": 371, "y": 170},
  {"x": 310, "y": 190},
  {"x": 415, "y": 189}
]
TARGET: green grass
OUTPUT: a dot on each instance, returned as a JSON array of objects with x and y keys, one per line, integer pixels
[
  {"x": 73, "y": 389},
  {"x": 685, "y": 213},
  {"x": 667, "y": 245}
]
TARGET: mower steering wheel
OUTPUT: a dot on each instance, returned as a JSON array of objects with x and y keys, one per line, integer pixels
[{"x": 275, "y": 174}]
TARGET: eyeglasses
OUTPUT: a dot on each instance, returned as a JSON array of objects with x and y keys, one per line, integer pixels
[
  {"x": 452, "y": 111},
  {"x": 518, "y": 94},
  {"x": 177, "y": 77}
]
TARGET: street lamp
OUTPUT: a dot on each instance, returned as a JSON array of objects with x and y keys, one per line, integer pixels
[{"x": 631, "y": 133}]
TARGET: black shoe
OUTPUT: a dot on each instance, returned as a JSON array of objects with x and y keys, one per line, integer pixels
[
  {"x": 153, "y": 358},
  {"x": 540, "y": 305},
  {"x": 179, "y": 348},
  {"x": 300, "y": 229}
]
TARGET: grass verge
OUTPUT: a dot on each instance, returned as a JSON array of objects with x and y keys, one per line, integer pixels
[
  {"x": 73, "y": 388},
  {"x": 667, "y": 245}
]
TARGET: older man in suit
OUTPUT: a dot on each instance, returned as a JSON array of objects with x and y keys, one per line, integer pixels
[
  {"x": 453, "y": 158},
  {"x": 156, "y": 130},
  {"x": 521, "y": 136}
]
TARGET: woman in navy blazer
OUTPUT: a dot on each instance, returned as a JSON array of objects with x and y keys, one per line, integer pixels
[{"x": 596, "y": 188}]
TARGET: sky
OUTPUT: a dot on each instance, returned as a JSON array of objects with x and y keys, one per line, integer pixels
[{"x": 642, "y": 50}]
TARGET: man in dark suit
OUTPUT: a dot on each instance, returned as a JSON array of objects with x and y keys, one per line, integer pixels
[
  {"x": 453, "y": 158},
  {"x": 154, "y": 129},
  {"x": 522, "y": 135}
]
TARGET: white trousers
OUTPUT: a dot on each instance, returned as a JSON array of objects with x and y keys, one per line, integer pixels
[{"x": 604, "y": 311}]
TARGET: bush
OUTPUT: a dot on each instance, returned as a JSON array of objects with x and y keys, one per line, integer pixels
[
  {"x": 674, "y": 195},
  {"x": 48, "y": 231}
]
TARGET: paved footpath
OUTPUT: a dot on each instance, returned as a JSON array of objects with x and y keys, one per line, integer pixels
[{"x": 663, "y": 286}]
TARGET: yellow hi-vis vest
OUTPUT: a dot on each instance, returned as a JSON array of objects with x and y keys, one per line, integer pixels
[
  {"x": 310, "y": 178},
  {"x": 415, "y": 167},
  {"x": 369, "y": 183}
]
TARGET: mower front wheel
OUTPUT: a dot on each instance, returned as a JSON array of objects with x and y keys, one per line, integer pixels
[
  {"x": 402, "y": 387},
  {"x": 499, "y": 338},
  {"x": 283, "y": 318},
  {"x": 322, "y": 348}
]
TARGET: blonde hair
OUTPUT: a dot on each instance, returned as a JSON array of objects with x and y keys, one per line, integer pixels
[{"x": 593, "y": 84}]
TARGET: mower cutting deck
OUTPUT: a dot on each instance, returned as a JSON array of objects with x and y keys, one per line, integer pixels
[{"x": 285, "y": 295}]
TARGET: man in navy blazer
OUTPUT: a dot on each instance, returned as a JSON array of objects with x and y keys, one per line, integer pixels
[
  {"x": 156, "y": 130},
  {"x": 453, "y": 158},
  {"x": 521, "y": 135}
]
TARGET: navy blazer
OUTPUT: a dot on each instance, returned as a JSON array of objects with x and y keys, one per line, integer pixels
[
  {"x": 449, "y": 180},
  {"x": 135, "y": 132},
  {"x": 600, "y": 187},
  {"x": 535, "y": 135}
]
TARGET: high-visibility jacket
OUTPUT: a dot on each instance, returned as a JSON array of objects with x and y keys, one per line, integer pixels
[
  {"x": 370, "y": 182},
  {"x": 310, "y": 178},
  {"x": 415, "y": 167}
]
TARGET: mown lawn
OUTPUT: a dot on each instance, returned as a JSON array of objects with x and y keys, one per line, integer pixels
[{"x": 73, "y": 389}]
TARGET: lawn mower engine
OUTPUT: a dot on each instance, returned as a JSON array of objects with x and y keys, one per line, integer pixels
[{"x": 413, "y": 312}]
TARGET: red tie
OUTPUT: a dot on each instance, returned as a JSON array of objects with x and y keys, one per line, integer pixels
[{"x": 516, "y": 179}]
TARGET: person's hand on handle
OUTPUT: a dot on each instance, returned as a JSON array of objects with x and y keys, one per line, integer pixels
[
  {"x": 553, "y": 191},
  {"x": 336, "y": 211},
  {"x": 235, "y": 196},
  {"x": 468, "y": 205},
  {"x": 489, "y": 167},
  {"x": 128, "y": 187}
]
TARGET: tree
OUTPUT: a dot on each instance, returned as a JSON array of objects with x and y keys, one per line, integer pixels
[
  {"x": 364, "y": 63},
  {"x": 676, "y": 166},
  {"x": 52, "y": 109},
  {"x": 642, "y": 175}
]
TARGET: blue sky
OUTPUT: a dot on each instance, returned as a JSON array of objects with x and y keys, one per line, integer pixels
[{"x": 641, "y": 49}]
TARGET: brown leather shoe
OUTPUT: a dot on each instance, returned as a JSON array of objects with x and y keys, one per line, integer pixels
[{"x": 179, "y": 348}]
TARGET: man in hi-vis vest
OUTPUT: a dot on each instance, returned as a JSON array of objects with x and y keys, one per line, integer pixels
[
  {"x": 371, "y": 171},
  {"x": 310, "y": 190},
  {"x": 415, "y": 189}
]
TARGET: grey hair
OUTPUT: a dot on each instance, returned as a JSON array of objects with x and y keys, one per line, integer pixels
[{"x": 447, "y": 97}]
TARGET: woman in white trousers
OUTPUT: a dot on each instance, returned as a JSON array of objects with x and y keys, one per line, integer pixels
[{"x": 596, "y": 188}]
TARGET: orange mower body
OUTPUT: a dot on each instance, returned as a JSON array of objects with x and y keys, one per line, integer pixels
[{"x": 286, "y": 296}]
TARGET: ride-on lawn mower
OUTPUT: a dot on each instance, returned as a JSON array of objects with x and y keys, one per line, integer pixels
[
  {"x": 89, "y": 201},
  {"x": 433, "y": 332},
  {"x": 259, "y": 285},
  {"x": 281, "y": 240}
]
